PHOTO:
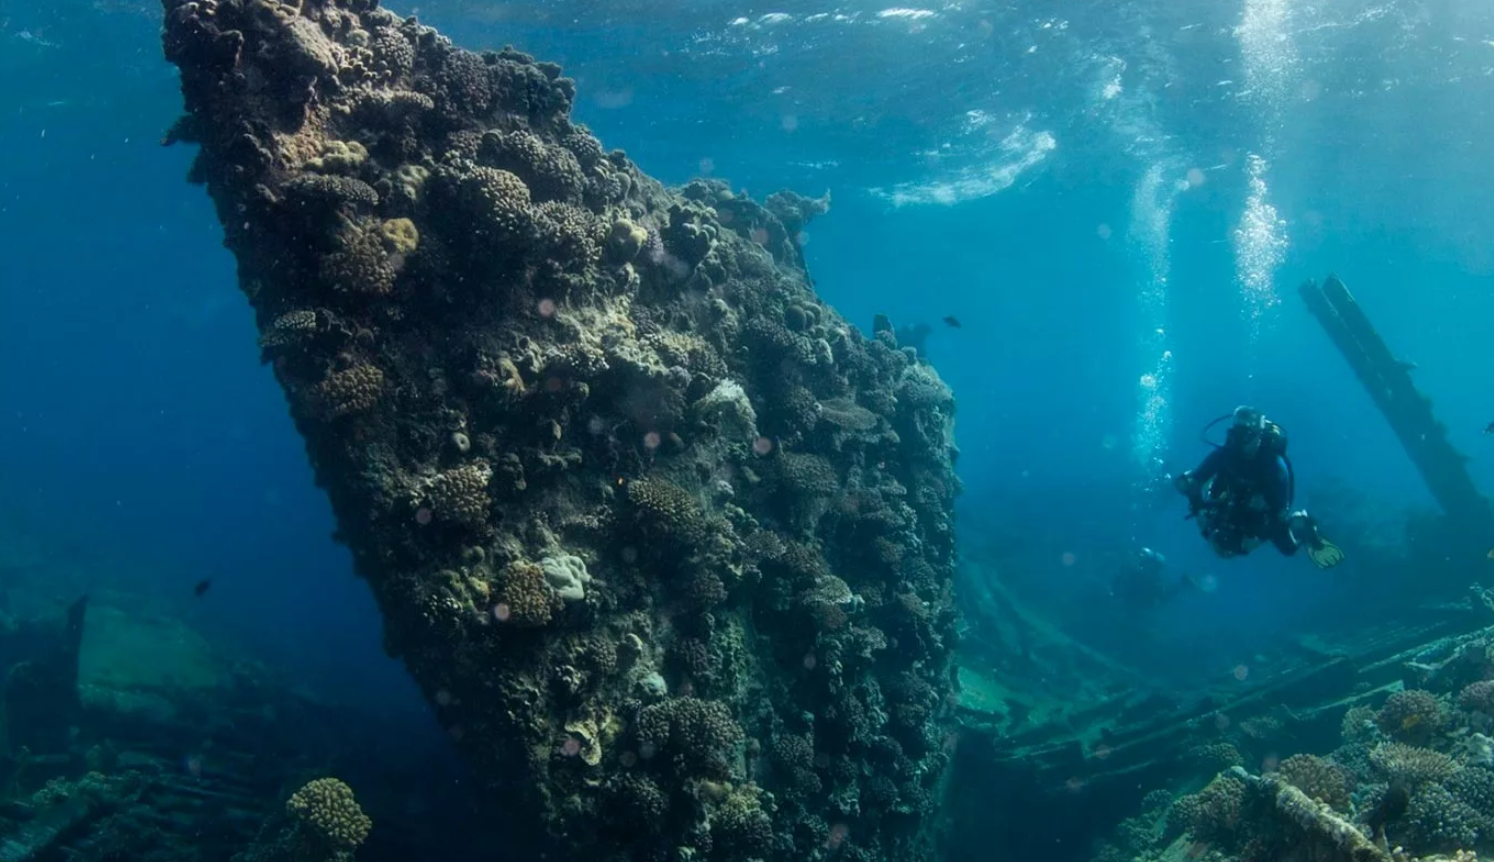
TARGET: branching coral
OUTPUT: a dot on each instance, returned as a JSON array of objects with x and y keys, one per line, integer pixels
[
  {"x": 1318, "y": 778},
  {"x": 742, "y": 826},
  {"x": 352, "y": 390},
  {"x": 667, "y": 511},
  {"x": 1214, "y": 814},
  {"x": 1215, "y": 756},
  {"x": 359, "y": 266},
  {"x": 1412, "y": 716},
  {"x": 1478, "y": 697},
  {"x": 1436, "y": 820},
  {"x": 460, "y": 495},
  {"x": 329, "y": 817},
  {"x": 1414, "y": 766},
  {"x": 695, "y": 735},
  {"x": 525, "y": 597},
  {"x": 553, "y": 172},
  {"x": 1359, "y": 725}
]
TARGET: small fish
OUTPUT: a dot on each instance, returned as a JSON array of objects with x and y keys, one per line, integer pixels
[
  {"x": 952, "y": 321},
  {"x": 1489, "y": 429},
  {"x": 202, "y": 587}
]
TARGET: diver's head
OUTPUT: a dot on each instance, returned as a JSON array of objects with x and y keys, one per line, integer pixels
[
  {"x": 1248, "y": 428},
  {"x": 1249, "y": 418}
]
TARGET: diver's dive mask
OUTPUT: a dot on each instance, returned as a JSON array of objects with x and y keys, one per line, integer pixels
[{"x": 1248, "y": 428}]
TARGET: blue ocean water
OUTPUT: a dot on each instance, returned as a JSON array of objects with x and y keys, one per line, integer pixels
[{"x": 1116, "y": 201}]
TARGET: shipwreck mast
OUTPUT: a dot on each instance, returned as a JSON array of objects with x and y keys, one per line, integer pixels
[{"x": 1409, "y": 412}]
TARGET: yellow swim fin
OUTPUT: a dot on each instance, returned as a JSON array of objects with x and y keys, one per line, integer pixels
[{"x": 1325, "y": 554}]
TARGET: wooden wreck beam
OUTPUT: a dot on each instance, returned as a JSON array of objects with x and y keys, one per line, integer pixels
[
  {"x": 1058, "y": 754},
  {"x": 1409, "y": 413}
]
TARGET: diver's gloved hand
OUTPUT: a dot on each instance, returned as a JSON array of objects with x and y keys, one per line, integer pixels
[{"x": 1187, "y": 485}]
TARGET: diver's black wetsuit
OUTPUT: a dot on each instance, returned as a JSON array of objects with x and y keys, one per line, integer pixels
[
  {"x": 1250, "y": 498},
  {"x": 1242, "y": 494}
]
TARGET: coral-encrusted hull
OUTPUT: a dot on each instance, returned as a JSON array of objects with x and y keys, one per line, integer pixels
[{"x": 666, "y": 542}]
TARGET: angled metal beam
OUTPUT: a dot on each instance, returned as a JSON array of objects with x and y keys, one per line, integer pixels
[{"x": 1409, "y": 412}]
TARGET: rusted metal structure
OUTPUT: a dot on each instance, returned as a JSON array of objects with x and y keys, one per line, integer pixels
[{"x": 1409, "y": 412}]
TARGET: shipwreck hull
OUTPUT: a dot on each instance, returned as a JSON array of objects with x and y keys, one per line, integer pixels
[{"x": 667, "y": 544}]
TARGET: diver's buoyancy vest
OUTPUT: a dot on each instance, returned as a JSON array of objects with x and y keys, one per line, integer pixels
[{"x": 1274, "y": 445}]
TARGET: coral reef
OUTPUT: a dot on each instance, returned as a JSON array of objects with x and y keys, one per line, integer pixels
[
  {"x": 1320, "y": 779},
  {"x": 668, "y": 544},
  {"x": 1411, "y": 778},
  {"x": 1412, "y": 716}
]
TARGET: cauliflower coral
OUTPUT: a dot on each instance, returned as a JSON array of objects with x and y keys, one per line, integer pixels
[{"x": 329, "y": 816}]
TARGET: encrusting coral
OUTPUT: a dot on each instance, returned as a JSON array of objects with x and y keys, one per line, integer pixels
[{"x": 666, "y": 541}]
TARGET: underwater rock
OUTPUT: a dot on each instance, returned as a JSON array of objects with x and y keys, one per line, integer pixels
[{"x": 509, "y": 351}]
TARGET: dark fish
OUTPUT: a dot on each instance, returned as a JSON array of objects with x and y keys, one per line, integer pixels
[
  {"x": 1391, "y": 807},
  {"x": 202, "y": 587},
  {"x": 952, "y": 321},
  {"x": 1489, "y": 429}
]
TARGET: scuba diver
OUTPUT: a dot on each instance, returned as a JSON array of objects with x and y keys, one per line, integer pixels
[
  {"x": 1144, "y": 585},
  {"x": 1242, "y": 493}
]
